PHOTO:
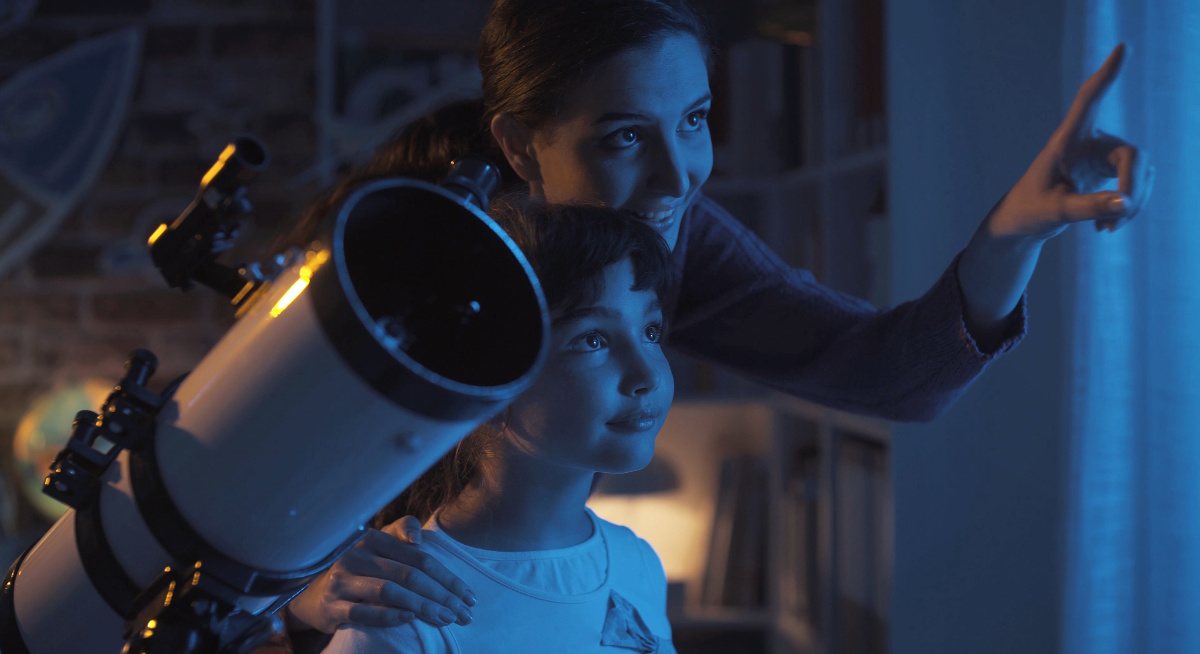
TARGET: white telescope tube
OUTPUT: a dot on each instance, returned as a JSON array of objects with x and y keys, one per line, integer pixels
[{"x": 346, "y": 378}]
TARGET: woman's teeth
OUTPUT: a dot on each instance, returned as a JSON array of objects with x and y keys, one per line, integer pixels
[{"x": 655, "y": 216}]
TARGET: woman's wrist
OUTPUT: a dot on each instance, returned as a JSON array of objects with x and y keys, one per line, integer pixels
[{"x": 993, "y": 274}]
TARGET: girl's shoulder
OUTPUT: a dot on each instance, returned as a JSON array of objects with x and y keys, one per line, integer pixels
[
  {"x": 416, "y": 637},
  {"x": 623, "y": 541}
]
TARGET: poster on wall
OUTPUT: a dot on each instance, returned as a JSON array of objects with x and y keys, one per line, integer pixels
[
  {"x": 59, "y": 121},
  {"x": 378, "y": 69},
  {"x": 379, "y": 90}
]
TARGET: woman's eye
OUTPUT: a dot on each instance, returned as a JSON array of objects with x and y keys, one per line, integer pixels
[
  {"x": 622, "y": 138},
  {"x": 588, "y": 342},
  {"x": 696, "y": 119},
  {"x": 654, "y": 333}
]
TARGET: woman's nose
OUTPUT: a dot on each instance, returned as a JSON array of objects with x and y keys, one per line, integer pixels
[{"x": 669, "y": 176}]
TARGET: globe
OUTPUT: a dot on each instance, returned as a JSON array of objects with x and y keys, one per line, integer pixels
[{"x": 44, "y": 431}]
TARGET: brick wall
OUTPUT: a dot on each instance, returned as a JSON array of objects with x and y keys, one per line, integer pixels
[{"x": 210, "y": 69}]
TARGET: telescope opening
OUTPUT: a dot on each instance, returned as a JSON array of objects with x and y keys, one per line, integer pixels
[
  {"x": 250, "y": 151},
  {"x": 442, "y": 286}
]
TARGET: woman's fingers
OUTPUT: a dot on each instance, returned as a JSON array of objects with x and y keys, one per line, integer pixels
[
  {"x": 381, "y": 593},
  {"x": 369, "y": 615},
  {"x": 1105, "y": 206},
  {"x": 1135, "y": 175},
  {"x": 416, "y": 583},
  {"x": 389, "y": 545},
  {"x": 407, "y": 529},
  {"x": 1080, "y": 115},
  {"x": 1135, "y": 180}
]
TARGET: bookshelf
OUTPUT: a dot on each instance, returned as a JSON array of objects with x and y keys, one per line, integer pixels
[{"x": 797, "y": 561}]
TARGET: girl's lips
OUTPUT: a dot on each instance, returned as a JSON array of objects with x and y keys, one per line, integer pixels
[{"x": 636, "y": 422}]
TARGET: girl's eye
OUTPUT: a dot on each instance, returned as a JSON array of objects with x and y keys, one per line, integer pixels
[
  {"x": 589, "y": 342},
  {"x": 696, "y": 119},
  {"x": 654, "y": 333},
  {"x": 625, "y": 137}
]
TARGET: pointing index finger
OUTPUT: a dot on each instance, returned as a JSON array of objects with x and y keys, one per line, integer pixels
[{"x": 1092, "y": 91}]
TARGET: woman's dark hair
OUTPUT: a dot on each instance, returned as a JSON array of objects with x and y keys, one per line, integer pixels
[
  {"x": 569, "y": 246},
  {"x": 422, "y": 149},
  {"x": 533, "y": 52}
]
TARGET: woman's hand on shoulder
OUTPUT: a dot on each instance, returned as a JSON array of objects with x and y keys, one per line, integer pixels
[
  {"x": 386, "y": 579},
  {"x": 1061, "y": 185}
]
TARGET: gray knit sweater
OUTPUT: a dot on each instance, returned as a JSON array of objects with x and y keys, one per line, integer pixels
[{"x": 739, "y": 305}]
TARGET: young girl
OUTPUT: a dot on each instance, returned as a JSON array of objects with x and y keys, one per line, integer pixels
[
  {"x": 606, "y": 102},
  {"x": 506, "y": 510}
]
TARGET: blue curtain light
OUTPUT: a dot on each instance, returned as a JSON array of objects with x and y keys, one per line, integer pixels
[{"x": 1133, "y": 492}]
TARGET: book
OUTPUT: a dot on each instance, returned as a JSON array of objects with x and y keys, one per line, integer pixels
[
  {"x": 712, "y": 589},
  {"x": 735, "y": 571},
  {"x": 745, "y": 573}
]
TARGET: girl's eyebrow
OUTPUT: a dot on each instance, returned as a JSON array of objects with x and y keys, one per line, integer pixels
[
  {"x": 601, "y": 311},
  {"x": 584, "y": 312},
  {"x": 613, "y": 116}
]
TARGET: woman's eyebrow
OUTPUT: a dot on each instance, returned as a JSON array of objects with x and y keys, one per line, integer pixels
[
  {"x": 613, "y": 116},
  {"x": 707, "y": 97}
]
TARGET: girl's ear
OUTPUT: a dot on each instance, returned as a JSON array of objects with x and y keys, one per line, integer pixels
[{"x": 516, "y": 141}]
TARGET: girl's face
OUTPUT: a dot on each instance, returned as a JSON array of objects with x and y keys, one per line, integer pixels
[
  {"x": 633, "y": 135},
  {"x": 604, "y": 392}
]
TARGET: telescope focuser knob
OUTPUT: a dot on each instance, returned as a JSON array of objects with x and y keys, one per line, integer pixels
[{"x": 74, "y": 477}]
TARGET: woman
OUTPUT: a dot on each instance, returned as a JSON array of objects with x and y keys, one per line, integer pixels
[{"x": 606, "y": 101}]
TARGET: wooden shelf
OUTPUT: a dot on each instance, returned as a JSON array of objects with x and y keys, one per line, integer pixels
[
  {"x": 797, "y": 634},
  {"x": 721, "y": 618}
]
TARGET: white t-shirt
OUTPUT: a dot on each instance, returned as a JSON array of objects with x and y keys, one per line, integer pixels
[{"x": 606, "y": 594}]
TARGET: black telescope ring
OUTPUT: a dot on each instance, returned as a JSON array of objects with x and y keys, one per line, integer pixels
[
  {"x": 11, "y": 640},
  {"x": 99, "y": 563},
  {"x": 407, "y": 382},
  {"x": 107, "y": 575}
]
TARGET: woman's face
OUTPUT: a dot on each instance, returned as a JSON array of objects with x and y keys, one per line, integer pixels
[
  {"x": 633, "y": 135},
  {"x": 603, "y": 395}
]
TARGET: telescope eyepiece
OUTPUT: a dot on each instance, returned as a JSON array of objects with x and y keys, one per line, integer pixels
[
  {"x": 239, "y": 163},
  {"x": 474, "y": 179},
  {"x": 139, "y": 368}
]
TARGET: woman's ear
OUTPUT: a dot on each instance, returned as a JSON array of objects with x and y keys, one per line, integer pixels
[{"x": 516, "y": 141}]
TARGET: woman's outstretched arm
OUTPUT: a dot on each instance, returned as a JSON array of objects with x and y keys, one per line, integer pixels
[{"x": 1057, "y": 190}]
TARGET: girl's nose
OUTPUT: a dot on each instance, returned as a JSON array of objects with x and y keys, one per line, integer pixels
[{"x": 641, "y": 376}]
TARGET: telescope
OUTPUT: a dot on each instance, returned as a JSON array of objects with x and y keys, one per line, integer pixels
[{"x": 355, "y": 363}]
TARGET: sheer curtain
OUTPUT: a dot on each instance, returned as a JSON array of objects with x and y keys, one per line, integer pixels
[{"x": 1133, "y": 531}]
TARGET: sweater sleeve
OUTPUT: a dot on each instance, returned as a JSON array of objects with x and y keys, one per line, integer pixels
[{"x": 739, "y": 305}]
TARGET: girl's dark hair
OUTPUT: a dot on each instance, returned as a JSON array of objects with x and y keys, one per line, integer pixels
[
  {"x": 569, "y": 246},
  {"x": 533, "y": 52}
]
